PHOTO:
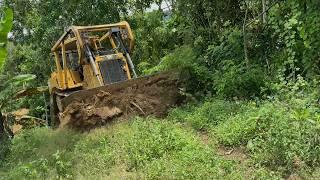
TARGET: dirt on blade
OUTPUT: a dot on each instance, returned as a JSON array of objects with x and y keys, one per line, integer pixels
[{"x": 152, "y": 95}]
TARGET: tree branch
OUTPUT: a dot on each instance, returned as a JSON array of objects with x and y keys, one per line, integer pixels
[{"x": 245, "y": 39}]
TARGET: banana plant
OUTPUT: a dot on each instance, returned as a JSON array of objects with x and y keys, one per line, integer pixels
[
  {"x": 5, "y": 28},
  {"x": 10, "y": 87}
]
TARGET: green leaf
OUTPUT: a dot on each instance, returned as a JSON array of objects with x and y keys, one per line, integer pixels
[
  {"x": 293, "y": 21},
  {"x": 5, "y": 28},
  {"x": 20, "y": 79}
]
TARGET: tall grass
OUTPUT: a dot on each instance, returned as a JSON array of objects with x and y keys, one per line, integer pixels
[
  {"x": 280, "y": 136},
  {"x": 143, "y": 148}
]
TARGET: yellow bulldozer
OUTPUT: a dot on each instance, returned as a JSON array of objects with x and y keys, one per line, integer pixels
[{"x": 95, "y": 81}]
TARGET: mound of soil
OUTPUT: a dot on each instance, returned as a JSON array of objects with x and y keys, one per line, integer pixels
[{"x": 152, "y": 95}]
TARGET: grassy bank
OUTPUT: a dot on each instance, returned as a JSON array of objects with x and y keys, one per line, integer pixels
[
  {"x": 215, "y": 139},
  {"x": 142, "y": 148}
]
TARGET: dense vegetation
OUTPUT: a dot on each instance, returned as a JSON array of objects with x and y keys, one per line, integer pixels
[{"x": 254, "y": 91}]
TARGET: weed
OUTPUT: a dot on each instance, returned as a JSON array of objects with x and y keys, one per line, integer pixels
[
  {"x": 93, "y": 155},
  {"x": 206, "y": 115},
  {"x": 280, "y": 136}
]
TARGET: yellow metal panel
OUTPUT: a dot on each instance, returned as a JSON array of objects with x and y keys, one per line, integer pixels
[
  {"x": 57, "y": 61},
  {"x": 58, "y": 79},
  {"x": 75, "y": 76},
  {"x": 90, "y": 80},
  {"x": 53, "y": 82}
]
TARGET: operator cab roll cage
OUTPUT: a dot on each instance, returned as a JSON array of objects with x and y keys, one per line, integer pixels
[
  {"x": 82, "y": 45},
  {"x": 78, "y": 36}
]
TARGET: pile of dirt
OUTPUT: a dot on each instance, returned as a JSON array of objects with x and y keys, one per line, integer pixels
[
  {"x": 152, "y": 95},
  {"x": 16, "y": 121}
]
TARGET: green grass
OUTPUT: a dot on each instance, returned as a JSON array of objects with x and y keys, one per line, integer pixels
[
  {"x": 205, "y": 115},
  {"x": 278, "y": 138},
  {"x": 142, "y": 148}
]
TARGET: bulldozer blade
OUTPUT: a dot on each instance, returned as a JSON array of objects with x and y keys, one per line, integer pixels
[{"x": 150, "y": 95}]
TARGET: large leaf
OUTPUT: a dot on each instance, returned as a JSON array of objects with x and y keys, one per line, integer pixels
[
  {"x": 5, "y": 28},
  {"x": 17, "y": 80},
  {"x": 9, "y": 88},
  {"x": 20, "y": 79}
]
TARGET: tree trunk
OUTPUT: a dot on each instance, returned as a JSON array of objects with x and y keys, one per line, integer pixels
[
  {"x": 264, "y": 13},
  {"x": 245, "y": 41},
  {"x": 5, "y": 131},
  {"x": 4, "y": 138},
  {"x": 2, "y": 130}
]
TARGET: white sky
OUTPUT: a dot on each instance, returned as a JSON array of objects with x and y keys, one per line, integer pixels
[{"x": 154, "y": 6}]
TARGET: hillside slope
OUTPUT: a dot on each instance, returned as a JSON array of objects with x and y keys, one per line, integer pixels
[{"x": 216, "y": 139}]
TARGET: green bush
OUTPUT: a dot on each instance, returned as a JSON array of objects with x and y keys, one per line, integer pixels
[
  {"x": 40, "y": 153},
  {"x": 41, "y": 143},
  {"x": 4, "y": 150},
  {"x": 237, "y": 130},
  {"x": 180, "y": 58},
  {"x": 281, "y": 135},
  {"x": 154, "y": 38},
  {"x": 228, "y": 46},
  {"x": 37, "y": 169},
  {"x": 290, "y": 141},
  {"x": 238, "y": 81},
  {"x": 205, "y": 115}
]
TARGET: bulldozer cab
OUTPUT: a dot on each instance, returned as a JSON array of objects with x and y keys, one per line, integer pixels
[{"x": 87, "y": 57}]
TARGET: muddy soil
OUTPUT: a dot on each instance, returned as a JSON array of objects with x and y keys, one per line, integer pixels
[{"x": 152, "y": 95}]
